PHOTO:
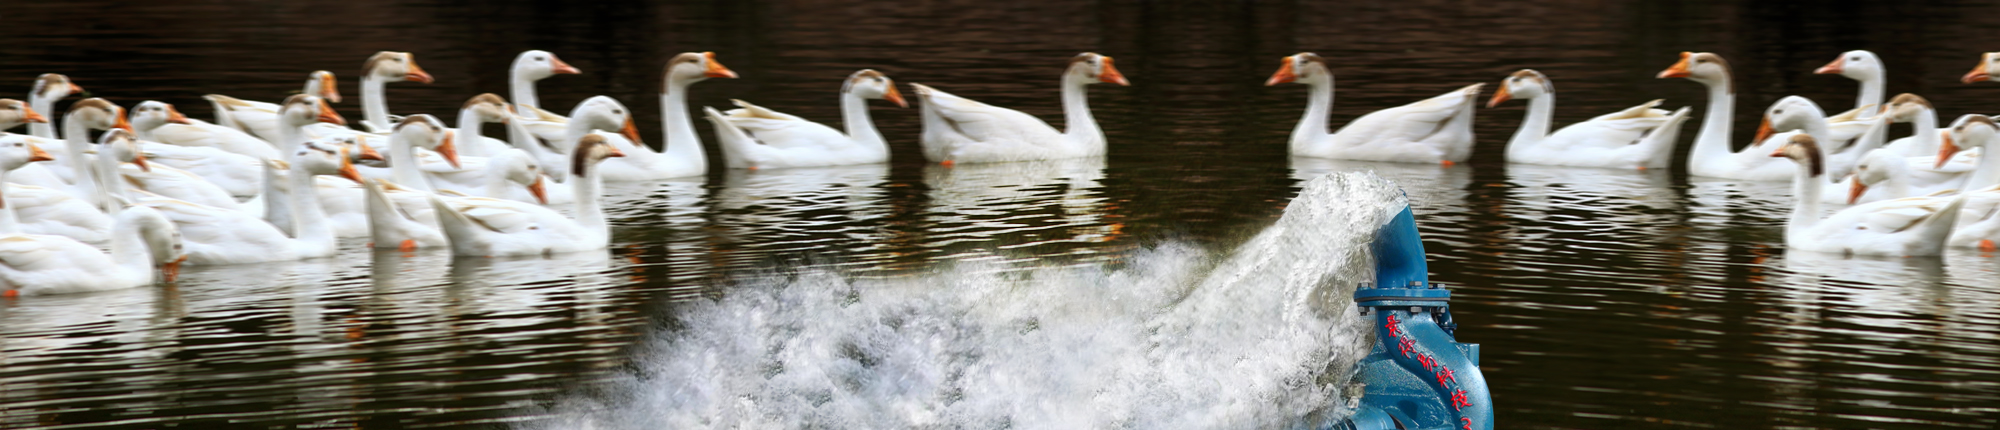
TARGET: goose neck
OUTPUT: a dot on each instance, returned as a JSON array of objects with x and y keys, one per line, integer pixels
[
  {"x": 1870, "y": 100},
  {"x": 1319, "y": 103},
  {"x": 1928, "y": 137},
  {"x": 8, "y": 224},
  {"x": 45, "y": 106},
  {"x": 1806, "y": 211},
  {"x": 129, "y": 250},
  {"x": 677, "y": 128},
  {"x": 1534, "y": 127},
  {"x": 1077, "y": 121},
  {"x": 1713, "y": 141},
  {"x": 403, "y": 167},
  {"x": 374, "y": 106},
  {"x": 860, "y": 127},
  {"x": 522, "y": 90},
  {"x": 589, "y": 209},
  {"x": 308, "y": 218},
  {"x": 471, "y": 142}
]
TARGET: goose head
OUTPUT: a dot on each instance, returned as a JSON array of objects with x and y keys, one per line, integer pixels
[
  {"x": 54, "y": 86},
  {"x": 97, "y": 114},
  {"x": 425, "y": 131},
  {"x": 1703, "y": 67},
  {"x": 520, "y": 168},
  {"x": 1804, "y": 150},
  {"x": 590, "y": 150},
  {"x": 1906, "y": 107},
  {"x": 122, "y": 144},
  {"x": 1974, "y": 129},
  {"x": 391, "y": 66},
  {"x": 870, "y": 84},
  {"x": 149, "y": 115},
  {"x": 327, "y": 88},
  {"x": 301, "y": 110},
  {"x": 162, "y": 238},
  {"x": 321, "y": 158},
  {"x": 535, "y": 65},
  {"x": 1874, "y": 168},
  {"x": 1094, "y": 68},
  {"x": 1789, "y": 113},
  {"x": 1858, "y": 65},
  {"x": 1304, "y": 68},
  {"x": 489, "y": 107},
  {"x": 1524, "y": 84},
  {"x": 691, "y": 67},
  {"x": 17, "y": 151},
  {"x": 605, "y": 113},
  {"x": 15, "y": 112},
  {"x": 1987, "y": 61}
]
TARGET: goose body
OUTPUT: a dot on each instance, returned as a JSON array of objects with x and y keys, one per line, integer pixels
[
  {"x": 489, "y": 227},
  {"x": 960, "y": 130},
  {"x": 682, "y": 155},
  {"x": 753, "y": 137},
  {"x": 260, "y": 119}
]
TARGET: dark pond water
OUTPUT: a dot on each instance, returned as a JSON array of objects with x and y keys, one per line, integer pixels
[{"x": 1603, "y": 299}]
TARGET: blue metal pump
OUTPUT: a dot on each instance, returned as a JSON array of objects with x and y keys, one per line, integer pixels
[{"x": 1417, "y": 376}]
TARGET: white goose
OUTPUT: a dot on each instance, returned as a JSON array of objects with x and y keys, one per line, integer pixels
[
  {"x": 14, "y": 113},
  {"x": 1435, "y": 130},
  {"x": 1979, "y": 221},
  {"x": 682, "y": 156},
  {"x": 530, "y": 67},
  {"x": 1865, "y": 67},
  {"x": 493, "y": 227},
  {"x": 227, "y": 236},
  {"x": 40, "y": 210},
  {"x": 1637, "y": 138},
  {"x": 1990, "y": 60},
  {"x": 754, "y": 137},
  {"x": 145, "y": 248},
  {"x": 1895, "y": 228},
  {"x": 1712, "y": 155},
  {"x": 129, "y": 166},
  {"x": 960, "y": 130},
  {"x": 260, "y": 119},
  {"x": 42, "y": 98}
]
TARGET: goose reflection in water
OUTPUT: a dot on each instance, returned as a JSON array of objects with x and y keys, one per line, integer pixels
[
  {"x": 834, "y": 208},
  {"x": 1019, "y": 204}
]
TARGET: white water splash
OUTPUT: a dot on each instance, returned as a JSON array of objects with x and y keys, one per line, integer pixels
[{"x": 1176, "y": 338}]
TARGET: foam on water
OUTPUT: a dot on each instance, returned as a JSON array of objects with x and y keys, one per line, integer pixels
[{"x": 1178, "y": 337}]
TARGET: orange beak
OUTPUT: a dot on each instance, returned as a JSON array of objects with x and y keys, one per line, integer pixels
[
  {"x": 140, "y": 160},
  {"x": 1285, "y": 73},
  {"x": 327, "y": 89},
  {"x": 1499, "y": 96},
  {"x": 327, "y": 115},
  {"x": 417, "y": 73},
  {"x": 122, "y": 124},
  {"x": 1780, "y": 152},
  {"x": 347, "y": 168},
  {"x": 1111, "y": 74},
  {"x": 174, "y": 116},
  {"x": 1854, "y": 192},
  {"x": 715, "y": 69},
  {"x": 1946, "y": 150},
  {"x": 73, "y": 89},
  {"x": 172, "y": 270},
  {"x": 1763, "y": 131},
  {"x": 614, "y": 152},
  {"x": 368, "y": 152},
  {"x": 631, "y": 132},
  {"x": 1978, "y": 74},
  {"x": 896, "y": 96},
  {"x": 30, "y": 115},
  {"x": 557, "y": 66},
  {"x": 35, "y": 153},
  {"x": 541, "y": 194},
  {"x": 1832, "y": 68},
  {"x": 1679, "y": 70},
  {"x": 449, "y": 150}
]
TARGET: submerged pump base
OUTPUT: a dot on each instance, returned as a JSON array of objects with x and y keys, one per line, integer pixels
[{"x": 1418, "y": 376}]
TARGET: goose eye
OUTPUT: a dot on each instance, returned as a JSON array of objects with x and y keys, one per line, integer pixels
[
  {"x": 1854, "y": 59},
  {"x": 1778, "y": 112},
  {"x": 617, "y": 112},
  {"x": 541, "y": 59}
]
